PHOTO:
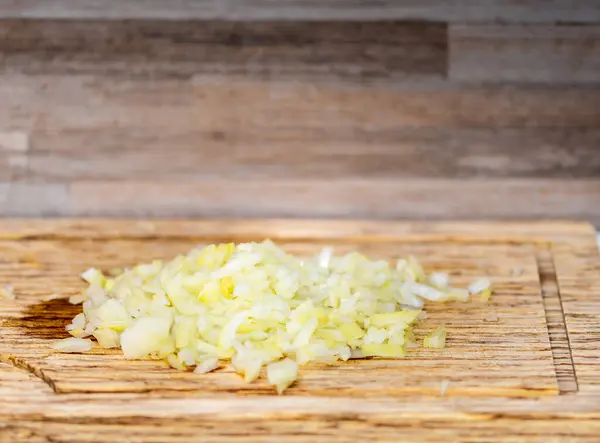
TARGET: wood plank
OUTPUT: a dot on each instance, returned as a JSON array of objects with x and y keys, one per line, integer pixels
[
  {"x": 516, "y": 53},
  {"x": 33, "y": 199},
  {"x": 344, "y": 153},
  {"x": 35, "y": 415},
  {"x": 535, "y": 11},
  {"x": 516, "y": 366},
  {"x": 217, "y": 104},
  {"x": 14, "y": 161},
  {"x": 300, "y": 230},
  {"x": 342, "y": 427},
  {"x": 412, "y": 199},
  {"x": 300, "y": 50},
  {"x": 578, "y": 274}
]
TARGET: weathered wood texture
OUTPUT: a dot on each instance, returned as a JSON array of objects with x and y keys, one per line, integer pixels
[
  {"x": 339, "y": 115},
  {"x": 554, "y": 130},
  {"x": 522, "y": 368},
  {"x": 377, "y": 199},
  {"x": 545, "y": 54},
  {"x": 439, "y": 199},
  {"x": 533, "y": 11},
  {"x": 56, "y": 103},
  {"x": 489, "y": 362},
  {"x": 352, "y": 51}
]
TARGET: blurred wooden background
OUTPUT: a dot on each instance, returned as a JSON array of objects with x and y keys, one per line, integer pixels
[{"x": 314, "y": 108}]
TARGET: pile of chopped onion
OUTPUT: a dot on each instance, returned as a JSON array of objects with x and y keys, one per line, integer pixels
[{"x": 255, "y": 305}]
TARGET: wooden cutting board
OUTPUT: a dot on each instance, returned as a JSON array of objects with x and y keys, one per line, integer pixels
[{"x": 526, "y": 367}]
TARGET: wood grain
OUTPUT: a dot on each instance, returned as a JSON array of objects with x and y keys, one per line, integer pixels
[
  {"x": 34, "y": 199},
  {"x": 535, "y": 11},
  {"x": 55, "y": 103},
  {"x": 14, "y": 161},
  {"x": 437, "y": 199},
  {"x": 516, "y": 53},
  {"x": 299, "y": 50},
  {"x": 295, "y": 230},
  {"x": 36, "y": 250},
  {"x": 378, "y": 199},
  {"x": 580, "y": 300},
  {"x": 519, "y": 366},
  {"x": 255, "y": 153},
  {"x": 293, "y": 99}
]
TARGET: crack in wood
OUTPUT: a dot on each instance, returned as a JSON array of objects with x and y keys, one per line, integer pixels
[
  {"x": 19, "y": 363},
  {"x": 560, "y": 345}
]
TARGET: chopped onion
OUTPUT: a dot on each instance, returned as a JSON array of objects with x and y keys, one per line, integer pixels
[
  {"x": 439, "y": 280},
  {"x": 282, "y": 374},
  {"x": 435, "y": 339},
  {"x": 256, "y": 305},
  {"x": 53, "y": 296},
  {"x": 77, "y": 299},
  {"x": 145, "y": 336},
  {"x": 383, "y": 350},
  {"x": 444, "y": 387},
  {"x": 207, "y": 366},
  {"x": 107, "y": 338},
  {"x": 72, "y": 344},
  {"x": 7, "y": 292},
  {"x": 481, "y": 287}
]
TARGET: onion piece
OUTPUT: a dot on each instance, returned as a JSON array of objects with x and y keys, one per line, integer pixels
[
  {"x": 282, "y": 374},
  {"x": 7, "y": 292},
  {"x": 72, "y": 344},
  {"x": 435, "y": 339},
  {"x": 481, "y": 287},
  {"x": 383, "y": 350},
  {"x": 207, "y": 366}
]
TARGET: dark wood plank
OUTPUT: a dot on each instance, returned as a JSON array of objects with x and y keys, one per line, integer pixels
[
  {"x": 545, "y": 54},
  {"x": 354, "y": 51},
  {"x": 532, "y": 11},
  {"x": 296, "y": 152},
  {"x": 57, "y": 103},
  {"x": 376, "y": 199}
]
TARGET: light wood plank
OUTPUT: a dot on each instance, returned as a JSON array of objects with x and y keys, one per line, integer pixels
[
  {"x": 297, "y": 230},
  {"x": 14, "y": 161},
  {"x": 346, "y": 153},
  {"x": 305, "y": 428},
  {"x": 543, "y": 54},
  {"x": 536, "y": 11},
  {"x": 34, "y": 414},
  {"x": 412, "y": 199},
  {"x": 578, "y": 275},
  {"x": 56, "y": 103},
  {"x": 33, "y": 199},
  {"x": 516, "y": 366}
]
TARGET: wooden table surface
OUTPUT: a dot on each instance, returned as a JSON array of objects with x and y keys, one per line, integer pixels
[{"x": 523, "y": 368}]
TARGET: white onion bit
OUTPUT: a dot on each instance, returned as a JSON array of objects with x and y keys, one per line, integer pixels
[
  {"x": 207, "y": 366},
  {"x": 478, "y": 286},
  {"x": 444, "y": 387},
  {"x": 7, "y": 292},
  {"x": 72, "y": 344}
]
